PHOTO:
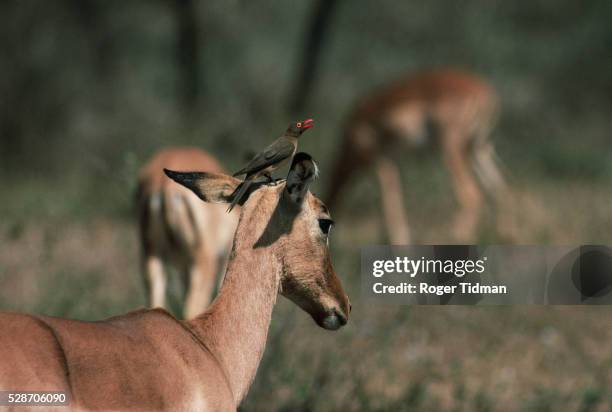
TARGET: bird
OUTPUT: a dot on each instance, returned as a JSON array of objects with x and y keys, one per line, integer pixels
[{"x": 271, "y": 158}]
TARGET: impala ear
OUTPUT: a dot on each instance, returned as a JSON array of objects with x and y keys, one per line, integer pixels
[
  {"x": 210, "y": 187},
  {"x": 303, "y": 171}
]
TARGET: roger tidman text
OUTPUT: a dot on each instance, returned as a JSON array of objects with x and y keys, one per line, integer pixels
[{"x": 427, "y": 289}]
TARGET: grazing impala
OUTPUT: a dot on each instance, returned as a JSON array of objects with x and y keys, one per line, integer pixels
[
  {"x": 177, "y": 229},
  {"x": 148, "y": 360},
  {"x": 451, "y": 110}
]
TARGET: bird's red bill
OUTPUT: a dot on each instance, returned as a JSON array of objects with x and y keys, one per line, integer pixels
[{"x": 307, "y": 124}]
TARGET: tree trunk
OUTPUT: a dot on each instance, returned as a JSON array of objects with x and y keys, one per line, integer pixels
[
  {"x": 308, "y": 63},
  {"x": 188, "y": 45}
]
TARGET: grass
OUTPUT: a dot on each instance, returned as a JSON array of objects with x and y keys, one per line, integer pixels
[{"x": 389, "y": 358}]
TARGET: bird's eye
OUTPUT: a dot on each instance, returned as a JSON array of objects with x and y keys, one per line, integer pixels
[
  {"x": 325, "y": 225},
  {"x": 299, "y": 125}
]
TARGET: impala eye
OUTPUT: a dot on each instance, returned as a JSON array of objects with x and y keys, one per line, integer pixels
[{"x": 325, "y": 225}]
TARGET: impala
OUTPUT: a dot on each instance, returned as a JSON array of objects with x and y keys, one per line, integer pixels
[
  {"x": 148, "y": 360},
  {"x": 176, "y": 229},
  {"x": 448, "y": 109}
]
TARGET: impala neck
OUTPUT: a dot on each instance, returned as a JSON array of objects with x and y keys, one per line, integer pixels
[{"x": 235, "y": 328}]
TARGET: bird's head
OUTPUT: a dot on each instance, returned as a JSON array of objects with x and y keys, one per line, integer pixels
[{"x": 297, "y": 128}]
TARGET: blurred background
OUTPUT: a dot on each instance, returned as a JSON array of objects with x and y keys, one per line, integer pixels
[{"x": 90, "y": 89}]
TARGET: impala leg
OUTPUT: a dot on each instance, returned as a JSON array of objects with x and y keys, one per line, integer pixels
[
  {"x": 155, "y": 280},
  {"x": 466, "y": 190},
  {"x": 494, "y": 184},
  {"x": 392, "y": 201},
  {"x": 202, "y": 274}
]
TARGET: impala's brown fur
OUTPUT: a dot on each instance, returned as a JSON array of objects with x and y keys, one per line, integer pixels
[
  {"x": 450, "y": 109},
  {"x": 177, "y": 228},
  {"x": 148, "y": 360}
]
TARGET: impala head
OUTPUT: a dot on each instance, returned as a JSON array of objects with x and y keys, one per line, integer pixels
[
  {"x": 291, "y": 226},
  {"x": 297, "y": 128}
]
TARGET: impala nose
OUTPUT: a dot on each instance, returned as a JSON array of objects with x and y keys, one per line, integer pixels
[
  {"x": 334, "y": 320},
  {"x": 342, "y": 318}
]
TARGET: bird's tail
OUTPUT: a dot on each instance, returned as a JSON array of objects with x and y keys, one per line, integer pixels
[{"x": 239, "y": 193}]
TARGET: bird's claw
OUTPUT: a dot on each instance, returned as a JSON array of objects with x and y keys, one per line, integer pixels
[{"x": 275, "y": 182}]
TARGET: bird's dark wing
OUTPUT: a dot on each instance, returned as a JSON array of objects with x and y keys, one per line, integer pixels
[{"x": 276, "y": 152}]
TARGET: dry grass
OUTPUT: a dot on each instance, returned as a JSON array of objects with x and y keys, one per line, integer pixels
[{"x": 388, "y": 357}]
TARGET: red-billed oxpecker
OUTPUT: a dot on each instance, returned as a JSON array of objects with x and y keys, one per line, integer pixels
[{"x": 271, "y": 158}]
